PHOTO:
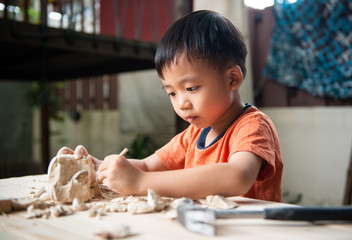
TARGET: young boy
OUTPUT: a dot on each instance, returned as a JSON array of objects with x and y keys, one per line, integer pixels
[{"x": 230, "y": 148}]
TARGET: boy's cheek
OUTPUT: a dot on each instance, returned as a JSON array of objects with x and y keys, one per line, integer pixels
[{"x": 174, "y": 106}]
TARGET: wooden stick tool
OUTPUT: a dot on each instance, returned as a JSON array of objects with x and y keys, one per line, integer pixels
[{"x": 124, "y": 151}]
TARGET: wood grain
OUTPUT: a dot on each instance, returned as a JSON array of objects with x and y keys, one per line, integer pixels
[{"x": 154, "y": 225}]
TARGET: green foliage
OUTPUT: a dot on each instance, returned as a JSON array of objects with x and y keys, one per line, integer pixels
[
  {"x": 142, "y": 147},
  {"x": 42, "y": 96},
  {"x": 34, "y": 16},
  {"x": 292, "y": 200}
]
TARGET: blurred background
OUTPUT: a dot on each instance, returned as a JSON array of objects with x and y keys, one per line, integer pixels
[{"x": 81, "y": 72}]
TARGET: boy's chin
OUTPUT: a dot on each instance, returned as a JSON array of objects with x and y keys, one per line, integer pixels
[{"x": 198, "y": 125}]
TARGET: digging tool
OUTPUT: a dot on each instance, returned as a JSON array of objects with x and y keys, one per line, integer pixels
[{"x": 200, "y": 220}]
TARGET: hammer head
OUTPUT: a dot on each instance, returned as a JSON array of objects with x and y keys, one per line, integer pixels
[{"x": 196, "y": 219}]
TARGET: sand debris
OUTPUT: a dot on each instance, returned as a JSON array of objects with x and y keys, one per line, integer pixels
[
  {"x": 110, "y": 202},
  {"x": 79, "y": 205},
  {"x": 115, "y": 231},
  {"x": 218, "y": 202}
]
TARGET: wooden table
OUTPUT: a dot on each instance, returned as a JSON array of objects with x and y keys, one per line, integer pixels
[{"x": 15, "y": 225}]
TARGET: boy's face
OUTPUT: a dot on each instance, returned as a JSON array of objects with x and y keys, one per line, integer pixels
[{"x": 200, "y": 94}]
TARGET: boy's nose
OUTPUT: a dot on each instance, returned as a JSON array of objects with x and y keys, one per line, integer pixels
[{"x": 184, "y": 104}]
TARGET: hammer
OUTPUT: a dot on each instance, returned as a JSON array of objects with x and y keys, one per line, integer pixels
[{"x": 200, "y": 220}]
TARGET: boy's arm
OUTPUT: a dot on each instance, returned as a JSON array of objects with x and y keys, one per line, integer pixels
[
  {"x": 149, "y": 164},
  {"x": 227, "y": 179}
]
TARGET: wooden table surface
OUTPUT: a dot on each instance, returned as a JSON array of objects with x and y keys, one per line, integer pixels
[{"x": 15, "y": 225}]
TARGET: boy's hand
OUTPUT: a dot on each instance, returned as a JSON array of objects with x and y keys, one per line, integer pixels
[
  {"x": 121, "y": 176},
  {"x": 65, "y": 150},
  {"x": 79, "y": 152}
]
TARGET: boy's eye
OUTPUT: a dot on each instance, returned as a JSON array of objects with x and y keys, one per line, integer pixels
[
  {"x": 171, "y": 94},
  {"x": 191, "y": 89}
]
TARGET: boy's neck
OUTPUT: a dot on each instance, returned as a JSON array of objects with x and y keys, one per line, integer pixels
[{"x": 220, "y": 126}]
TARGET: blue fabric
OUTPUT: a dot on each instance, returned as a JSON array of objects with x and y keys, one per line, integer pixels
[
  {"x": 311, "y": 47},
  {"x": 205, "y": 131}
]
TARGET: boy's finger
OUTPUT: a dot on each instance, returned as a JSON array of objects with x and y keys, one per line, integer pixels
[
  {"x": 96, "y": 163},
  {"x": 65, "y": 150},
  {"x": 80, "y": 151},
  {"x": 102, "y": 167},
  {"x": 101, "y": 175}
]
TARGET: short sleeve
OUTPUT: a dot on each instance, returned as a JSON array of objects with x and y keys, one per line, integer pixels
[
  {"x": 173, "y": 153},
  {"x": 255, "y": 134}
]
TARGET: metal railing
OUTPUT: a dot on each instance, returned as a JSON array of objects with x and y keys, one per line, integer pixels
[
  {"x": 65, "y": 14},
  {"x": 84, "y": 15}
]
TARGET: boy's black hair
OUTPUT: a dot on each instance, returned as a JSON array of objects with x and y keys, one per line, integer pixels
[{"x": 204, "y": 35}]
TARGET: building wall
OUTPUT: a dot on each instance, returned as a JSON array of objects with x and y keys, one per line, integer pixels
[
  {"x": 16, "y": 130},
  {"x": 316, "y": 144},
  {"x": 138, "y": 20},
  {"x": 100, "y": 132},
  {"x": 144, "y": 108}
]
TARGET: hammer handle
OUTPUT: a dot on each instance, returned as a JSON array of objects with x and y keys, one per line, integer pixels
[
  {"x": 291, "y": 213},
  {"x": 309, "y": 213}
]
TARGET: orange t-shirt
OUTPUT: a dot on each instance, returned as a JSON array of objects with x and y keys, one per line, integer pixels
[{"x": 252, "y": 131}]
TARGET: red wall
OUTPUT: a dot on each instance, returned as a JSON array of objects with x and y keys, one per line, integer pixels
[{"x": 148, "y": 15}]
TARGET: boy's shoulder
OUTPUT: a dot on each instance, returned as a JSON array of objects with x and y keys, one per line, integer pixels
[
  {"x": 254, "y": 112},
  {"x": 253, "y": 117}
]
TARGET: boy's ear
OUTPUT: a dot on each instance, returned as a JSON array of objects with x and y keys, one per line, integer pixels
[{"x": 235, "y": 77}]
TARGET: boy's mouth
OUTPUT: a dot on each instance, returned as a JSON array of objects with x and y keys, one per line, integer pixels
[{"x": 190, "y": 119}]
